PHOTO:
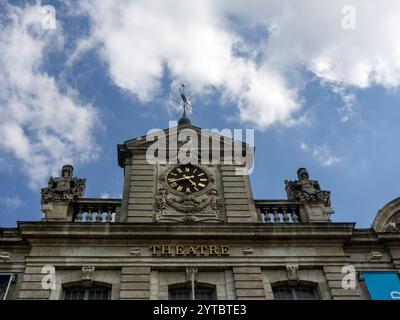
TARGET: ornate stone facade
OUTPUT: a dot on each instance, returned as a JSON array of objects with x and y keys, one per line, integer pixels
[{"x": 155, "y": 243}]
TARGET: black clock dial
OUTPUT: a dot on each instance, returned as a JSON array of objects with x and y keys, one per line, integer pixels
[{"x": 187, "y": 179}]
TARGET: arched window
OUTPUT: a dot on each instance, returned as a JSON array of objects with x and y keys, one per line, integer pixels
[
  {"x": 184, "y": 292},
  {"x": 295, "y": 292},
  {"x": 79, "y": 292}
]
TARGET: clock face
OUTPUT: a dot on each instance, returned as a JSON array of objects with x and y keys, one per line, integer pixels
[{"x": 187, "y": 179}]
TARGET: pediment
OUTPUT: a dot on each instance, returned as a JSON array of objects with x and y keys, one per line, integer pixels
[{"x": 212, "y": 136}]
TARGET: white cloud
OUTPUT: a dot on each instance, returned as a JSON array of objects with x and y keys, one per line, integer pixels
[
  {"x": 346, "y": 111},
  {"x": 196, "y": 40},
  {"x": 140, "y": 40},
  {"x": 12, "y": 202},
  {"x": 304, "y": 147},
  {"x": 40, "y": 126},
  {"x": 105, "y": 195},
  {"x": 321, "y": 153}
]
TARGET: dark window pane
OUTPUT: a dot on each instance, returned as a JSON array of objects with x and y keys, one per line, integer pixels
[
  {"x": 180, "y": 294},
  {"x": 283, "y": 293},
  {"x": 305, "y": 293},
  {"x": 4, "y": 281},
  {"x": 78, "y": 293},
  {"x": 186, "y": 294},
  {"x": 205, "y": 294},
  {"x": 297, "y": 292}
]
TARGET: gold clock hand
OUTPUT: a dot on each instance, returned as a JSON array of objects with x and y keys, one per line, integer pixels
[
  {"x": 173, "y": 180},
  {"x": 188, "y": 177},
  {"x": 178, "y": 179}
]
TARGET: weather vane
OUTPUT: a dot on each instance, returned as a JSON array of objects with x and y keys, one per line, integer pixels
[{"x": 185, "y": 103}]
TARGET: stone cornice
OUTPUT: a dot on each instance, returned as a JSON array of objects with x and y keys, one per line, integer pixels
[
  {"x": 234, "y": 231},
  {"x": 10, "y": 235},
  {"x": 390, "y": 237}
]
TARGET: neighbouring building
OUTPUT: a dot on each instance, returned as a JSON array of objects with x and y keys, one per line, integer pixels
[{"x": 194, "y": 230}]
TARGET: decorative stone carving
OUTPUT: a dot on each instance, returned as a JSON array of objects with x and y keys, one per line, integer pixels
[
  {"x": 65, "y": 187},
  {"x": 88, "y": 274},
  {"x": 191, "y": 273},
  {"x": 388, "y": 218},
  {"x": 56, "y": 197},
  {"x": 204, "y": 206},
  {"x": 316, "y": 202},
  {"x": 292, "y": 271},
  {"x": 306, "y": 190},
  {"x": 5, "y": 256},
  {"x": 188, "y": 208},
  {"x": 392, "y": 227}
]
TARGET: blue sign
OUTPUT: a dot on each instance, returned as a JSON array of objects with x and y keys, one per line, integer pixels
[{"x": 383, "y": 285}]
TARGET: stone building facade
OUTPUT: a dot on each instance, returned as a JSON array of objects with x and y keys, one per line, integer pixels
[{"x": 211, "y": 240}]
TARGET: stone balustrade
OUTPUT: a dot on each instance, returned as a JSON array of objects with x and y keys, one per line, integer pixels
[
  {"x": 108, "y": 211},
  {"x": 97, "y": 210},
  {"x": 278, "y": 211}
]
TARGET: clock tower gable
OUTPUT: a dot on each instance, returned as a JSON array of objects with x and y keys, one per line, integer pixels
[{"x": 204, "y": 191}]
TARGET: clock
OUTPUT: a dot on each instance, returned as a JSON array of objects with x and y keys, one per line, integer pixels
[{"x": 187, "y": 179}]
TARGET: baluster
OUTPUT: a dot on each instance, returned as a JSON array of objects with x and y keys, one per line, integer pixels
[
  {"x": 276, "y": 215},
  {"x": 89, "y": 217},
  {"x": 285, "y": 215},
  {"x": 99, "y": 215},
  {"x": 267, "y": 218},
  {"x": 295, "y": 217},
  {"x": 78, "y": 217},
  {"x": 109, "y": 215},
  {"x": 260, "y": 214}
]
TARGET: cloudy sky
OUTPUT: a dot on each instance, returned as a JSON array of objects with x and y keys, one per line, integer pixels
[{"x": 319, "y": 83}]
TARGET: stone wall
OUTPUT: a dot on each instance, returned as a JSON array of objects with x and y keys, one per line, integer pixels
[
  {"x": 141, "y": 190},
  {"x": 135, "y": 283},
  {"x": 238, "y": 196}
]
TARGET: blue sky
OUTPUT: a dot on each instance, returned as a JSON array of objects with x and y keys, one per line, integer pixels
[{"x": 317, "y": 94}]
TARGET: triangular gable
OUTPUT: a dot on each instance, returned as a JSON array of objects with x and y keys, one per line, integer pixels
[{"x": 145, "y": 141}]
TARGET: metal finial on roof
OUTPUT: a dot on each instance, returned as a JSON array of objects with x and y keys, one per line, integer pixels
[{"x": 186, "y": 104}]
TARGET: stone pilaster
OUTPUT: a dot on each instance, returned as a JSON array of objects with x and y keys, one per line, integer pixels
[
  {"x": 248, "y": 283},
  {"x": 334, "y": 277},
  {"x": 135, "y": 283},
  {"x": 31, "y": 286}
]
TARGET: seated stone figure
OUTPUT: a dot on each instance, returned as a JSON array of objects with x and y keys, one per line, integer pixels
[
  {"x": 306, "y": 190},
  {"x": 65, "y": 187}
]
